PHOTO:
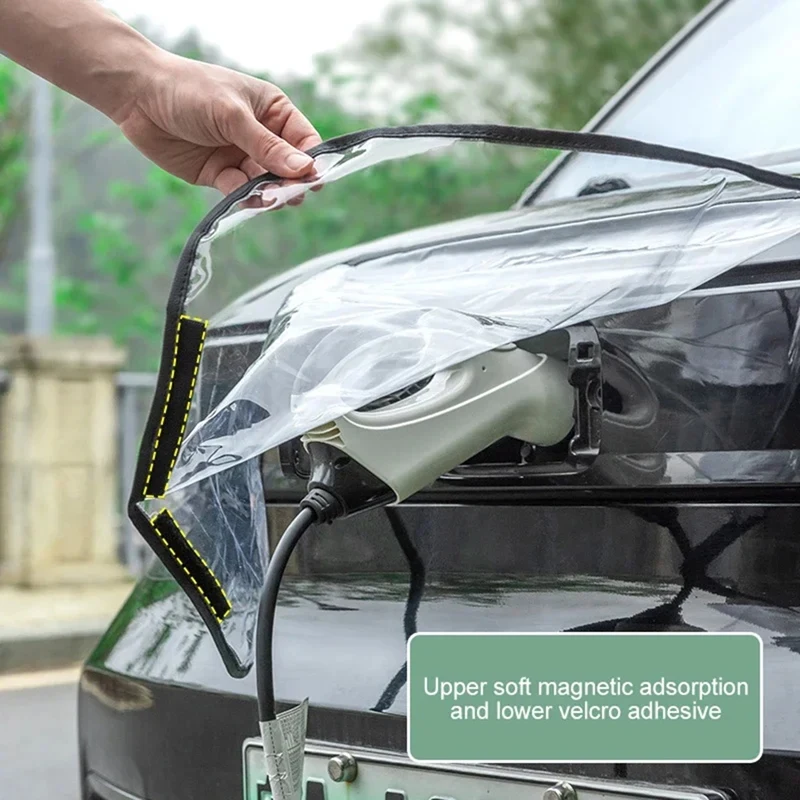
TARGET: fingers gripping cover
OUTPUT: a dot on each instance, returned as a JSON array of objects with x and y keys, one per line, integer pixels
[{"x": 362, "y": 323}]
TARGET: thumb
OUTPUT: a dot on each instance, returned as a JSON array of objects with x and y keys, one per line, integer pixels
[{"x": 267, "y": 149}]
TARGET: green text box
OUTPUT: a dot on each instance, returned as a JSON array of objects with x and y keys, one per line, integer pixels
[{"x": 585, "y": 697}]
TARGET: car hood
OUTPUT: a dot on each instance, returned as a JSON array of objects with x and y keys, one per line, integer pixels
[
  {"x": 262, "y": 302},
  {"x": 259, "y": 305}
]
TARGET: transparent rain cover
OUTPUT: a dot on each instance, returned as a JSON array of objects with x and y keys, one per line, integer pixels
[{"x": 359, "y": 324}]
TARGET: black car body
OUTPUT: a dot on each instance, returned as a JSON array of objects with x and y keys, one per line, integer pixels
[{"x": 687, "y": 520}]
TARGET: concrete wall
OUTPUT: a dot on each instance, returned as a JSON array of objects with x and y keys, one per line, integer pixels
[{"x": 58, "y": 462}]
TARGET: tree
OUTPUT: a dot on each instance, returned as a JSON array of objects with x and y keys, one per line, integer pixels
[
  {"x": 122, "y": 223},
  {"x": 120, "y": 237},
  {"x": 13, "y": 169},
  {"x": 126, "y": 239},
  {"x": 540, "y": 62},
  {"x": 78, "y": 148},
  {"x": 589, "y": 50}
]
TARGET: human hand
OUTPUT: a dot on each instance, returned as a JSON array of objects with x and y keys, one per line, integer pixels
[{"x": 212, "y": 126}]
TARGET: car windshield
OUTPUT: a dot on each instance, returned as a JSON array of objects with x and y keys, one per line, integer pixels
[{"x": 727, "y": 90}]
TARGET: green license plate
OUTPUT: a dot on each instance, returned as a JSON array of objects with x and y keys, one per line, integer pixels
[{"x": 392, "y": 776}]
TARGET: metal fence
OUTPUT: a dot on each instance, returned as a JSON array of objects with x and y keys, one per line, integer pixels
[{"x": 134, "y": 393}]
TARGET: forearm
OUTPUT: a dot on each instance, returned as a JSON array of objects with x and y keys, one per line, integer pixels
[{"x": 81, "y": 47}]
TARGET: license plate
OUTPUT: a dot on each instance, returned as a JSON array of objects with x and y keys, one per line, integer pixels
[{"x": 391, "y": 776}]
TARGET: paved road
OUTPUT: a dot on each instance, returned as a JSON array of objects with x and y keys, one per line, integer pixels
[{"x": 38, "y": 738}]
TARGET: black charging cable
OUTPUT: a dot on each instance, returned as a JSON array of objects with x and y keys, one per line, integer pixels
[
  {"x": 416, "y": 588},
  {"x": 318, "y": 506}
]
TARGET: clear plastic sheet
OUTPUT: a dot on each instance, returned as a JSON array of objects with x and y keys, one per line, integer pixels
[
  {"x": 364, "y": 323},
  {"x": 356, "y": 332}
]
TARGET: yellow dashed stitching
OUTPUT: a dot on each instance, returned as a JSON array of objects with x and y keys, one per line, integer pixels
[
  {"x": 189, "y": 398},
  {"x": 167, "y": 398},
  {"x": 166, "y": 405},
  {"x": 186, "y": 569}
]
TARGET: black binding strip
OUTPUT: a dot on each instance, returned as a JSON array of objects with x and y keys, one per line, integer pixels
[
  {"x": 185, "y": 361},
  {"x": 174, "y": 542},
  {"x": 211, "y": 615},
  {"x": 545, "y": 138},
  {"x": 172, "y": 418}
]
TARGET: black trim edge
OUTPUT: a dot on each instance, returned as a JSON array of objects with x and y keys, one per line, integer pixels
[
  {"x": 188, "y": 347},
  {"x": 194, "y": 566},
  {"x": 149, "y": 533}
]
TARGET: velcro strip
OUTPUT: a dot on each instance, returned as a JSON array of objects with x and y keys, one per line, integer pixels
[
  {"x": 190, "y": 335},
  {"x": 194, "y": 566}
]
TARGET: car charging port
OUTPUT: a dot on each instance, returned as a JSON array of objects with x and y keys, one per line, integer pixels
[{"x": 579, "y": 347}]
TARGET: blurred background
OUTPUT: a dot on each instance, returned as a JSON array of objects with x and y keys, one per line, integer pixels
[
  {"x": 90, "y": 233},
  {"x": 118, "y": 223}
]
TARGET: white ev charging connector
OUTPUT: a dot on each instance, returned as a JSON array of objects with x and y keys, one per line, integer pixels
[
  {"x": 386, "y": 452},
  {"x": 410, "y": 442}
]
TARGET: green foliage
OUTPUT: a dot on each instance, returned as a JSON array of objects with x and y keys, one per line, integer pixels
[
  {"x": 123, "y": 223},
  {"x": 588, "y": 50},
  {"x": 135, "y": 240},
  {"x": 132, "y": 246},
  {"x": 542, "y": 62},
  {"x": 13, "y": 170},
  {"x": 12, "y": 148},
  {"x": 118, "y": 280}
]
